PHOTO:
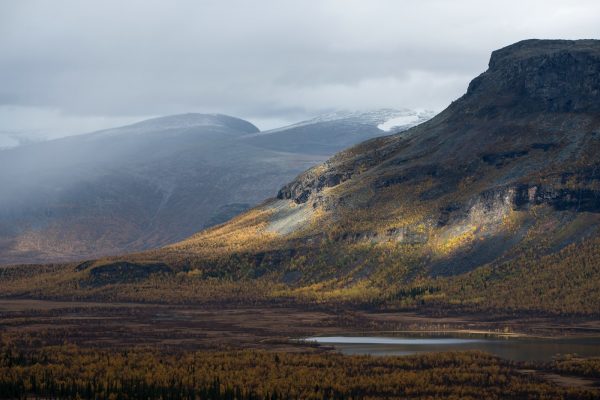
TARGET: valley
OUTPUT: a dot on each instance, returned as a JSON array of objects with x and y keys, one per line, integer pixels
[
  {"x": 125, "y": 345},
  {"x": 482, "y": 222},
  {"x": 274, "y": 326},
  {"x": 299, "y": 200}
]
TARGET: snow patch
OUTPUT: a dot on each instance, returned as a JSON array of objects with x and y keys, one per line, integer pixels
[
  {"x": 388, "y": 118},
  {"x": 398, "y": 121}
]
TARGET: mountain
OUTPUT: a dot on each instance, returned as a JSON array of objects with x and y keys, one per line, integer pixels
[
  {"x": 150, "y": 183},
  {"x": 329, "y": 133},
  {"x": 491, "y": 206}
]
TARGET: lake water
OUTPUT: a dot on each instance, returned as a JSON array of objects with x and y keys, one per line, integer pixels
[{"x": 518, "y": 349}]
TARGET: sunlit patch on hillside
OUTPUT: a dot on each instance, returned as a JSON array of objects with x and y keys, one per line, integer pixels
[
  {"x": 242, "y": 233},
  {"x": 287, "y": 217}
]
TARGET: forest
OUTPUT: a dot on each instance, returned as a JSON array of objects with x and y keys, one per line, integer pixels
[
  {"x": 28, "y": 371},
  {"x": 534, "y": 281}
]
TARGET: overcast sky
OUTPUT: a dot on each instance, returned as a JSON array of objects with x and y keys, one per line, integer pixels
[{"x": 70, "y": 67}]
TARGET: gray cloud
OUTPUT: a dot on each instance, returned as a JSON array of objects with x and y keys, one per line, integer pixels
[{"x": 72, "y": 66}]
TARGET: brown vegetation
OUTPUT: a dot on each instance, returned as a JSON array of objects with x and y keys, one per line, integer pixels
[{"x": 68, "y": 371}]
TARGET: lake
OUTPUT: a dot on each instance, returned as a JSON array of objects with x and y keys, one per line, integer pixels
[{"x": 518, "y": 349}]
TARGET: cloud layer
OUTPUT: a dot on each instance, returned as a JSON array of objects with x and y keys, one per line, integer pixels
[{"x": 69, "y": 66}]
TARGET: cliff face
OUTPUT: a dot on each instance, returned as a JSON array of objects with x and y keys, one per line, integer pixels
[{"x": 540, "y": 76}]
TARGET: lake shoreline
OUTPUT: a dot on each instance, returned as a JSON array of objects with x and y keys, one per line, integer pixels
[
  {"x": 207, "y": 327},
  {"x": 518, "y": 349}
]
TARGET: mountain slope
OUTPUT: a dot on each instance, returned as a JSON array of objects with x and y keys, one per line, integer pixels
[
  {"x": 493, "y": 205},
  {"x": 146, "y": 184}
]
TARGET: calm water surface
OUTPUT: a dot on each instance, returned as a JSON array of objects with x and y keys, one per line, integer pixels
[{"x": 518, "y": 349}]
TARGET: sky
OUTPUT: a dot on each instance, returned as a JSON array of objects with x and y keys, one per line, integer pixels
[{"x": 71, "y": 66}]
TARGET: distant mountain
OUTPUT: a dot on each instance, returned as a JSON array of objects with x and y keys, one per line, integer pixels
[
  {"x": 148, "y": 184},
  {"x": 491, "y": 206},
  {"x": 328, "y": 133},
  {"x": 175, "y": 123}
]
